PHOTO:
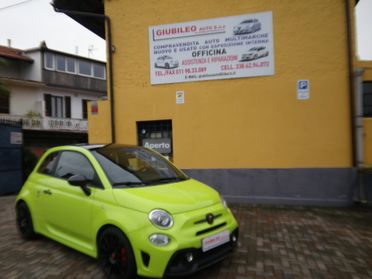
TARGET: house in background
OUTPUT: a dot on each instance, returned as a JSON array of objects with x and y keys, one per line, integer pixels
[
  {"x": 45, "y": 93},
  {"x": 49, "y": 91}
]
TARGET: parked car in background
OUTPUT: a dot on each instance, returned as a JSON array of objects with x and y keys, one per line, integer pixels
[
  {"x": 247, "y": 26},
  {"x": 255, "y": 53},
  {"x": 127, "y": 206},
  {"x": 166, "y": 62}
]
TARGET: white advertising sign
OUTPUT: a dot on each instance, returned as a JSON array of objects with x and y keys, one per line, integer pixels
[
  {"x": 220, "y": 48},
  {"x": 180, "y": 97},
  {"x": 16, "y": 138}
]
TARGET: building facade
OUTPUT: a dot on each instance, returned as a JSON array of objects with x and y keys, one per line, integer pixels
[
  {"x": 46, "y": 92},
  {"x": 49, "y": 90},
  {"x": 254, "y": 98}
]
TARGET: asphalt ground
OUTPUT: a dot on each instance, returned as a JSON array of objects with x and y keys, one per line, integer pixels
[{"x": 275, "y": 242}]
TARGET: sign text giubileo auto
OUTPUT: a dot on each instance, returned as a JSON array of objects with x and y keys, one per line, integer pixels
[{"x": 220, "y": 48}]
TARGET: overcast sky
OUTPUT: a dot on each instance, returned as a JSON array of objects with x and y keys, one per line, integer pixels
[
  {"x": 364, "y": 29},
  {"x": 28, "y": 22}
]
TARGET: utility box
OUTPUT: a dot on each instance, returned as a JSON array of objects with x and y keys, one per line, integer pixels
[{"x": 11, "y": 142}]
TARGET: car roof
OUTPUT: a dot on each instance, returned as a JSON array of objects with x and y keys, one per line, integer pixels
[
  {"x": 249, "y": 20},
  {"x": 98, "y": 146}
]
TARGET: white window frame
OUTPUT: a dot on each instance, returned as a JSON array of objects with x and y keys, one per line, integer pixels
[
  {"x": 56, "y": 63},
  {"x": 53, "y": 59},
  {"x": 74, "y": 60},
  {"x": 91, "y": 68},
  {"x": 104, "y": 71}
]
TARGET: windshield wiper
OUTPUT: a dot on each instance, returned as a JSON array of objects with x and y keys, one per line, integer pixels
[
  {"x": 165, "y": 179},
  {"x": 128, "y": 183}
]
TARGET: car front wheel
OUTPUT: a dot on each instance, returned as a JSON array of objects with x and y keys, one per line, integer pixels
[
  {"x": 115, "y": 254},
  {"x": 24, "y": 221}
]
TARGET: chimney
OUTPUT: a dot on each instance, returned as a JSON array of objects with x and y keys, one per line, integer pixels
[{"x": 9, "y": 42}]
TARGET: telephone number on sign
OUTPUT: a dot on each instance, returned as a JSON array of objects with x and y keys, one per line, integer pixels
[{"x": 245, "y": 65}]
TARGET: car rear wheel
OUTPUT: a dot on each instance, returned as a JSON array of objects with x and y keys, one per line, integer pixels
[
  {"x": 115, "y": 254},
  {"x": 167, "y": 65},
  {"x": 24, "y": 221}
]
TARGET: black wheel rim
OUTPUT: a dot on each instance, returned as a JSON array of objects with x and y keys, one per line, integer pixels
[
  {"x": 113, "y": 255},
  {"x": 23, "y": 220}
]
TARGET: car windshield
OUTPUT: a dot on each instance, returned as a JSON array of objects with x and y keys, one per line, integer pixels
[{"x": 132, "y": 166}]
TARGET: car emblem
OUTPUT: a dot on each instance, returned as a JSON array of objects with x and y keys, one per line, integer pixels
[{"x": 210, "y": 218}]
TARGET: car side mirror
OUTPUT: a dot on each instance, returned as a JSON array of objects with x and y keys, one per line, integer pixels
[{"x": 80, "y": 181}]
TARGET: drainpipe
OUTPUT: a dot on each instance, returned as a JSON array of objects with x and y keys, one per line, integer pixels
[
  {"x": 110, "y": 51},
  {"x": 356, "y": 109},
  {"x": 351, "y": 86},
  {"x": 359, "y": 131}
]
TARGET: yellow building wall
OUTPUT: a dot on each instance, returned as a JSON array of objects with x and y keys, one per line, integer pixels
[
  {"x": 252, "y": 122},
  {"x": 99, "y": 125},
  {"x": 367, "y": 123}
]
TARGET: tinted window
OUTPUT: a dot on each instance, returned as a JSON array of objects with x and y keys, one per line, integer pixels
[
  {"x": 70, "y": 65},
  {"x": 48, "y": 164},
  {"x": 73, "y": 163},
  {"x": 49, "y": 60},
  {"x": 136, "y": 167},
  {"x": 85, "y": 68},
  {"x": 367, "y": 99},
  {"x": 61, "y": 63},
  {"x": 99, "y": 71}
]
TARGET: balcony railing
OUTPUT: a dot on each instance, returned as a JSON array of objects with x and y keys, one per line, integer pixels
[{"x": 48, "y": 123}]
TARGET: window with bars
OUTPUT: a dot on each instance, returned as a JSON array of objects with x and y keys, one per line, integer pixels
[
  {"x": 57, "y": 106},
  {"x": 367, "y": 99}
]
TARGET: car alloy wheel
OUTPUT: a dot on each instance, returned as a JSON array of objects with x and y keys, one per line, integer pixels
[
  {"x": 24, "y": 221},
  {"x": 115, "y": 254}
]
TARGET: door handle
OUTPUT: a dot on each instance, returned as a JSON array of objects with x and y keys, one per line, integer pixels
[{"x": 47, "y": 192}]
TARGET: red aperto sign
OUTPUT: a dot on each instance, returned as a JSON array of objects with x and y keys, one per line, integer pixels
[{"x": 220, "y": 48}]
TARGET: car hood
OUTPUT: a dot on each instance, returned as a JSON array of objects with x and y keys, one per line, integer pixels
[{"x": 173, "y": 197}]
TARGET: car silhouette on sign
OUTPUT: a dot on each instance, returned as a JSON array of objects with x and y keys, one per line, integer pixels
[
  {"x": 166, "y": 62},
  {"x": 247, "y": 26},
  {"x": 255, "y": 53}
]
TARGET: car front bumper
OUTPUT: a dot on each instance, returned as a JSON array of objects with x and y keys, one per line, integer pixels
[
  {"x": 186, "y": 238},
  {"x": 181, "y": 265}
]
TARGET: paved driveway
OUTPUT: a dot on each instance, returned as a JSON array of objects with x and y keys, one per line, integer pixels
[{"x": 275, "y": 242}]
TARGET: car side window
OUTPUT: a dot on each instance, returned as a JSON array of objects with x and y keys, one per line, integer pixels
[
  {"x": 47, "y": 167},
  {"x": 72, "y": 163}
]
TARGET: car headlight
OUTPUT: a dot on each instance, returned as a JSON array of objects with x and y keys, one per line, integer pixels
[
  {"x": 224, "y": 203},
  {"x": 159, "y": 239},
  {"x": 161, "y": 219}
]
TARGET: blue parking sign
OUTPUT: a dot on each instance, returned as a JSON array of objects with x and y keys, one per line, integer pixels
[
  {"x": 303, "y": 85},
  {"x": 303, "y": 89}
]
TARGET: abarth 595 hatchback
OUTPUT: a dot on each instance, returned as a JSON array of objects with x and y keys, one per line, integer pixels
[{"x": 128, "y": 207}]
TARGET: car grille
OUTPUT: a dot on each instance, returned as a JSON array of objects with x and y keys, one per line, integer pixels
[
  {"x": 211, "y": 229},
  {"x": 202, "y": 226}
]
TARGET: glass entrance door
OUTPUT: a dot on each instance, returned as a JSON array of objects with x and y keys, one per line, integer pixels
[{"x": 156, "y": 135}]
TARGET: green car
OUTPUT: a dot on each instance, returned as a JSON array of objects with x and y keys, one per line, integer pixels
[{"x": 128, "y": 207}]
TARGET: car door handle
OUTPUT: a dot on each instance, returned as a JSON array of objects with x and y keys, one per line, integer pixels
[{"x": 47, "y": 192}]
